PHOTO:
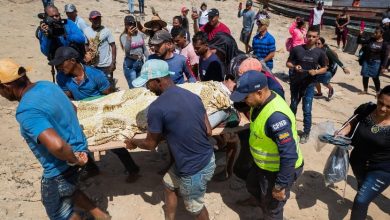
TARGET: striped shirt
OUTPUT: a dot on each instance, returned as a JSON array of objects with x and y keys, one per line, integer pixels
[{"x": 262, "y": 46}]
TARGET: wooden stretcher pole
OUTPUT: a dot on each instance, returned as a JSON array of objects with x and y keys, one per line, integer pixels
[{"x": 99, "y": 150}]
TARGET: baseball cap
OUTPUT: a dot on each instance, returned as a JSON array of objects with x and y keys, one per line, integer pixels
[
  {"x": 386, "y": 20},
  {"x": 184, "y": 9},
  {"x": 264, "y": 21},
  {"x": 62, "y": 54},
  {"x": 250, "y": 64},
  {"x": 213, "y": 12},
  {"x": 94, "y": 14},
  {"x": 249, "y": 3},
  {"x": 152, "y": 69},
  {"x": 251, "y": 81},
  {"x": 10, "y": 70},
  {"x": 70, "y": 8},
  {"x": 160, "y": 36},
  {"x": 129, "y": 19}
]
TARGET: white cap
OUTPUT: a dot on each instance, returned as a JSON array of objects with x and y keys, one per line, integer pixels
[
  {"x": 70, "y": 8},
  {"x": 386, "y": 20}
]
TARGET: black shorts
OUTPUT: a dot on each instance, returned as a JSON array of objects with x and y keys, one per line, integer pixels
[{"x": 244, "y": 36}]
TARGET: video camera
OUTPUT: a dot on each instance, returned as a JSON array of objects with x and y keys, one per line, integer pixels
[{"x": 56, "y": 27}]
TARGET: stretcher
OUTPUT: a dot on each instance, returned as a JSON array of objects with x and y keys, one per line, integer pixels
[{"x": 100, "y": 150}]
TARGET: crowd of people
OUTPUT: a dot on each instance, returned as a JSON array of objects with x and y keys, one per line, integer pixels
[{"x": 84, "y": 57}]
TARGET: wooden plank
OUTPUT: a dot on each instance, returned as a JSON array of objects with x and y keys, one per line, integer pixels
[{"x": 244, "y": 124}]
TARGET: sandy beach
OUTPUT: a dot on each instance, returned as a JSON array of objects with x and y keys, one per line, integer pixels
[{"x": 20, "y": 172}]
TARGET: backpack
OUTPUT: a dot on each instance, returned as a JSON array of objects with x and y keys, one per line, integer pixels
[{"x": 92, "y": 54}]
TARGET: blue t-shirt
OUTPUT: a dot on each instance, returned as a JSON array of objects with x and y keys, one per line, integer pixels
[
  {"x": 211, "y": 69},
  {"x": 73, "y": 34},
  {"x": 249, "y": 16},
  {"x": 262, "y": 46},
  {"x": 177, "y": 64},
  {"x": 179, "y": 116},
  {"x": 94, "y": 84},
  {"x": 42, "y": 107}
]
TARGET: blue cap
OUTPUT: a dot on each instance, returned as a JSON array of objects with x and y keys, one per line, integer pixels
[
  {"x": 152, "y": 69},
  {"x": 250, "y": 81}
]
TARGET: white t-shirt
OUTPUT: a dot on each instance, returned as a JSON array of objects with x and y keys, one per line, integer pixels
[
  {"x": 81, "y": 24},
  {"x": 106, "y": 38},
  {"x": 317, "y": 16},
  {"x": 203, "y": 18}
]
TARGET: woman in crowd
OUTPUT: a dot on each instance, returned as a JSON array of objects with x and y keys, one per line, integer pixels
[
  {"x": 374, "y": 59},
  {"x": 298, "y": 32},
  {"x": 203, "y": 15},
  {"x": 342, "y": 22},
  {"x": 370, "y": 157},
  {"x": 132, "y": 42},
  {"x": 332, "y": 69}
]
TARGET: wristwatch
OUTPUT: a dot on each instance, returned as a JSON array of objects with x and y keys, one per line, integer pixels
[{"x": 278, "y": 187}]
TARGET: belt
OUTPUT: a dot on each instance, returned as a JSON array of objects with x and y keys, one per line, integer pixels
[{"x": 135, "y": 57}]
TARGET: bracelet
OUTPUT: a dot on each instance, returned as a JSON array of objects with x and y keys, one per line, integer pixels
[{"x": 71, "y": 164}]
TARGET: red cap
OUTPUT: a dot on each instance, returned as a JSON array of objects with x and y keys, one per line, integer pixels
[
  {"x": 94, "y": 14},
  {"x": 184, "y": 9}
]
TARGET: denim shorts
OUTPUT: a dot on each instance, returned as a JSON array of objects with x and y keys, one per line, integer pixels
[
  {"x": 57, "y": 194},
  {"x": 192, "y": 188}
]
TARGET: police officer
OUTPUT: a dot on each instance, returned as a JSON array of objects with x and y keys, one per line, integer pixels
[{"x": 273, "y": 143}]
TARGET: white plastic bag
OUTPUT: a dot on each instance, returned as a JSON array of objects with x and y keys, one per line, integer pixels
[{"x": 322, "y": 128}]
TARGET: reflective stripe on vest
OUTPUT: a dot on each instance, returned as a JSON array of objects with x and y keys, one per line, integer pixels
[{"x": 263, "y": 149}]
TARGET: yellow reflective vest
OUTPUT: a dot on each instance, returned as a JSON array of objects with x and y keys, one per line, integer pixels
[{"x": 263, "y": 149}]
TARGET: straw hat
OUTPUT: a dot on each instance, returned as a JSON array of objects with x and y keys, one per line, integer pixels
[{"x": 155, "y": 19}]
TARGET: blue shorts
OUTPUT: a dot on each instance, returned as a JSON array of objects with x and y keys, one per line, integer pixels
[
  {"x": 324, "y": 78},
  {"x": 192, "y": 188},
  {"x": 57, "y": 194}
]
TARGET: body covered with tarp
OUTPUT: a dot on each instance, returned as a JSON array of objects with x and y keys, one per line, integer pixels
[{"x": 123, "y": 114}]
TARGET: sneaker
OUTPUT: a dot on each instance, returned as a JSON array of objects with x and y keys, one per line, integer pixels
[
  {"x": 330, "y": 94},
  {"x": 304, "y": 138}
]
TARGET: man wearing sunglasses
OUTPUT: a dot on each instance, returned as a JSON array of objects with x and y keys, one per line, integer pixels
[{"x": 305, "y": 61}]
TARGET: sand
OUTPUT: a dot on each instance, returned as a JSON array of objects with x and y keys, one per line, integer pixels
[{"x": 20, "y": 172}]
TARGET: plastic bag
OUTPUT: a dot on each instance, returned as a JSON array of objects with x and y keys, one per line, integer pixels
[
  {"x": 322, "y": 128},
  {"x": 336, "y": 167}
]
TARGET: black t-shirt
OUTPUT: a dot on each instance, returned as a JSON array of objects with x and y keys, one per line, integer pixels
[
  {"x": 308, "y": 59},
  {"x": 371, "y": 143},
  {"x": 211, "y": 69}
]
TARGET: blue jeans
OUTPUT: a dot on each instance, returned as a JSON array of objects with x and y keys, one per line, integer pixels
[
  {"x": 57, "y": 194},
  {"x": 307, "y": 101},
  {"x": 131, "y": 69},
  {"x": 141, "y": 4},
  {"x": 192, "y": 188},
  {"x": 371, "y": 185},
  {"x": 47, "y": 2},
  {"x": 131, "y": 6}
]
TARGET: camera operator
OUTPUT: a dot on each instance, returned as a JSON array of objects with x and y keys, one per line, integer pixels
[
  {"x": 47, "y": 3},
  {"x": 55, "y": 32}
]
